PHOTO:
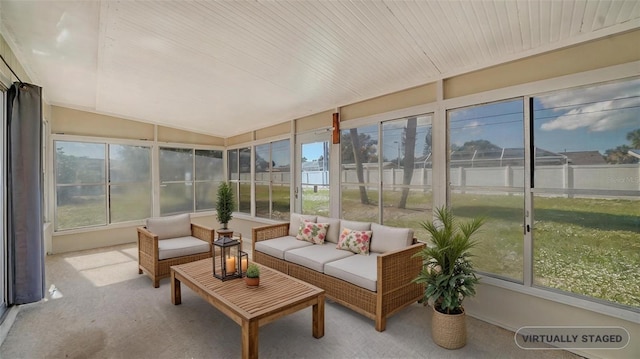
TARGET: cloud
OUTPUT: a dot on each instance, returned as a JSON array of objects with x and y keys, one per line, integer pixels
[
  {"x": 471, "y": 126},
  {"x": 585, "y": 107},
  {"x": 597, "y": 117}
]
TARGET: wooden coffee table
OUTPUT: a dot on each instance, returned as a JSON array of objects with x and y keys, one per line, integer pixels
[{"x": 278, "y": 295}]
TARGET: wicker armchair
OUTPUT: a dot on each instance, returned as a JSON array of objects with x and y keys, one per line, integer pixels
[{"x": 169, "y": 241}]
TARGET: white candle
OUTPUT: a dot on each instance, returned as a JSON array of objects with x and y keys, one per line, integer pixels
[
  {"x": 245, "y": 263},
  {"x": 231, "y": 265}
]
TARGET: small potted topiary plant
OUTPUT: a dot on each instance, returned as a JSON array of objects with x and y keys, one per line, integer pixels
[
  {"x": 252, "y": 278},
  {"x": 224, "y": 204}
]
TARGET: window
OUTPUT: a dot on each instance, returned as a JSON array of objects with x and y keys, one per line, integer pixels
[
  {"x": 584, "y": 191},
  {"x": 272, "y": 180},
  {"x": 80, "y": 185},
  {"x": 176, "y": 181},
  {"x": 486, "y": 175},
  {"x": 129, "y": 182},
  {"x": 586, "y": 187},
  {"x": 240, "y": 177},
  {"x": 396, "y": 189},
  {"x": 406, "y": 172},
  {"x": 189, "y": 179},
  {"x": 359, "y": 174},
  {"x": 209, "y": 174},
  {"x": 89, "y": 195}
]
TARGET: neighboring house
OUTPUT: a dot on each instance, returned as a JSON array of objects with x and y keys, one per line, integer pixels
[{"x": 584, "y": 158}]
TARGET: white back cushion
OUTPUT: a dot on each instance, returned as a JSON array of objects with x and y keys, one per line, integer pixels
[
  {"x": 385, "y": 238},
  {"x": 296, "y": 219},
  {"x": 354, "y": 226},
  {"x": 170, "y": 226},
  {"x": 333, "y": 232}
]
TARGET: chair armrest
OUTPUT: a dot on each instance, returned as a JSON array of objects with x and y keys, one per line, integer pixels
[
  {"x": 268, "y": 232},
  {"x": 147, "y": 242},
  {"x": 398, "y": 268},
  {"x": 204, "y": 233}
]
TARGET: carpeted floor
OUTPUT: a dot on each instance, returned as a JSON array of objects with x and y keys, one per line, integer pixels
[{"x": 102, "y": 308}]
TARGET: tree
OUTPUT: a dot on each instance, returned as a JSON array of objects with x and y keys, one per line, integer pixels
[
  {"x": 366, "y": 147},
  {"x": 409, "y": 156},
  {"x": 620, "y": 154},
  {"x": 634, "y": 137},
  {"x": 357, "y": 155},
  {"x": 225, "y": 204},
  {"x": 358, "y": 148},
  {"x": 262, "y": 165},
  {"x": 479, "y": 145},
  {"x": 427, "y": 143}
]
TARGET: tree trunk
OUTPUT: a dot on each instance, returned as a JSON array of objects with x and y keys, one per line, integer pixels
[
  {"x": 357, "y": 155},
  {"x": 409, "y": 155}
]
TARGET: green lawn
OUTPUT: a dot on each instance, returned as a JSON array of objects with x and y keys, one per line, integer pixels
[{"x": 588, "y": 247}]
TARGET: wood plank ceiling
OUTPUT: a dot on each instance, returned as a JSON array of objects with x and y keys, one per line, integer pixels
[{"x": 228, "y": 67}]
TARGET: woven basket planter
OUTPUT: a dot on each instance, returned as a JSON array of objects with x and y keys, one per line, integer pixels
[{"x": 449, "y": 330}]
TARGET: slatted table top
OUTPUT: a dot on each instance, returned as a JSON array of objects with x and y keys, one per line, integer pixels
[{"x": 276, "y": 291}]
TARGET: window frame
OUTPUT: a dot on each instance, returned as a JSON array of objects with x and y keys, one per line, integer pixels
[
  {"x": 379, "y": 120},
  {"x": 154, "y": 175},
  {"x": 106, "y": 142}
]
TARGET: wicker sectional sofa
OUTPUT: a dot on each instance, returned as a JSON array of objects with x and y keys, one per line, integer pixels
[{"x": 376, "y": 285}]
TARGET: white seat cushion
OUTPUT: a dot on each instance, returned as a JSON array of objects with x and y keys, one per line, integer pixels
[
  {"x": 181, "y": 246},
  {"x": 170, "y": 226},
  {"x": 358, "y": 270},
  {"x": 277, "y": 246},
  {"x": 315, "y": 256}
]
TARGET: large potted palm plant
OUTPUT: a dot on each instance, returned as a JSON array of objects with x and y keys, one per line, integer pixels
[
  {"x": 224, "y": 204},
  {"x": 448, "y": 275}
]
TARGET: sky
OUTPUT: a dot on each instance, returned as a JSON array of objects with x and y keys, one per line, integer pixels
[
  {"x": 312, "y": 151},
  {"x": 590, "y": 118},
  {"x": 584, "y": 119}
]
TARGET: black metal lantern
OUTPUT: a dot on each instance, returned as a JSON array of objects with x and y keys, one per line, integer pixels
[
  {"x": 244, "y": 262},
  {"x": 227, "y": 258}
]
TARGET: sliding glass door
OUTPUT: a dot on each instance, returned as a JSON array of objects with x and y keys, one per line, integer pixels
[
  {"x": 487, "y": 178},
  {"x": 312, "y": 185},
  {"x": 587, "y": 193}
]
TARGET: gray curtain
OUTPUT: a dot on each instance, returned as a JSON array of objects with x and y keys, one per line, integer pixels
[{"x": 24, "y": 194}]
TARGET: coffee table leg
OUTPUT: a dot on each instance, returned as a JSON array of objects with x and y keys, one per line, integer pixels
[
  {"x": 176, "y": 295},
  {"x": 250, "y": 339},
  {"x": 318, "y": 317}
]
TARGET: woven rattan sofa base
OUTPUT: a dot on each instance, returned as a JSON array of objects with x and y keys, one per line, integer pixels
[
  {"x": 395, "y": 289},
  {"x": 271, "y": 262},
  {"x": 157, "y": 269}
]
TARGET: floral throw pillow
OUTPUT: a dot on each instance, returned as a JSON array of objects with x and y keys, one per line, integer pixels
[
  {"x": 355, "y": 241},
  {"x": 313, "y": 232}
]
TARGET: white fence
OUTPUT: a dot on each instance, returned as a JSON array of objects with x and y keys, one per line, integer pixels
[{"x": 624, "y": 178}]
